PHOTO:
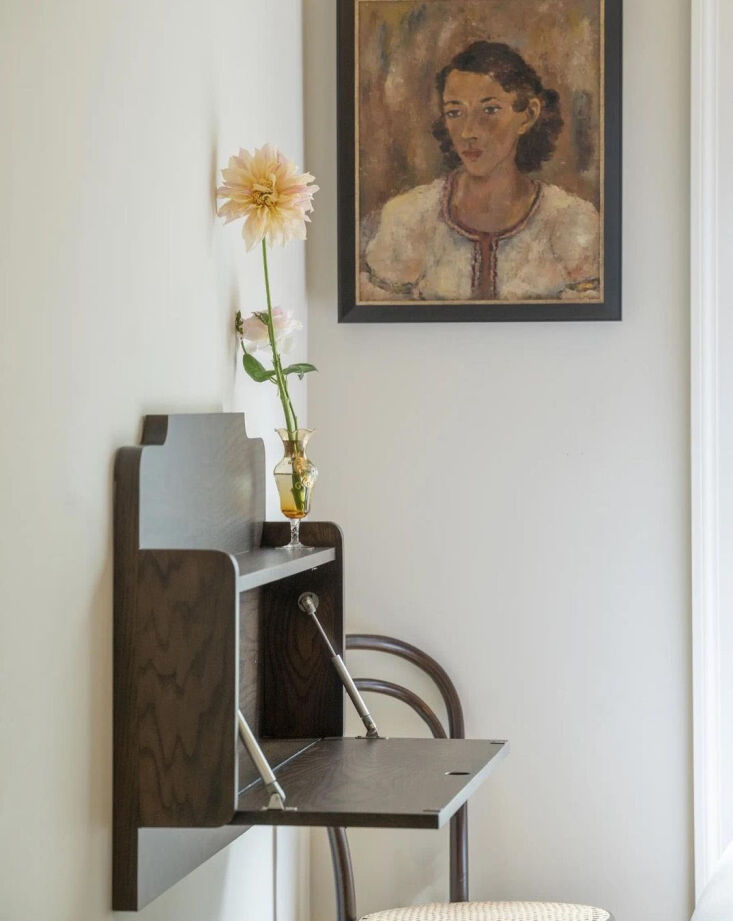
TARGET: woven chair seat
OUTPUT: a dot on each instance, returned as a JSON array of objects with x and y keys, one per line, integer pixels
[{"x": 492, "y": 911}]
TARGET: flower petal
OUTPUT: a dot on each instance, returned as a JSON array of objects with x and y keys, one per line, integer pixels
[{"x": 269, "y": 193}]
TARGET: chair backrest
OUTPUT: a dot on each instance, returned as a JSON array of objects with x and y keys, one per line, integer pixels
[{"x": 340, "y": 854}]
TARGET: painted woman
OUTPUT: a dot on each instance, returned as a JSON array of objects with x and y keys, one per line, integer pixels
[{"x": 488, "y": 230}]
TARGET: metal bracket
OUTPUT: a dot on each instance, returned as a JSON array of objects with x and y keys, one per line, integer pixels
[
  {"x": 308, "y": 604},
  {"x": 277, "y": 794}
]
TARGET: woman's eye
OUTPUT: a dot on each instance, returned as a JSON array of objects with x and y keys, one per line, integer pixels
[
  {"x": 490, "y": 110},
  {"x": 452, "y": 113}
]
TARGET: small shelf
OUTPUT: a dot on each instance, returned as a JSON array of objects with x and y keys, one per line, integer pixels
[
  {"x": 375, "y": 783},
  {"x": 270, "y": 564}
]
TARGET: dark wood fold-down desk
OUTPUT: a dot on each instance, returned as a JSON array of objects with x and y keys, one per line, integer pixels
[
  {"x": 375, "y": 783},
  {"x": 206, "y": 623}
]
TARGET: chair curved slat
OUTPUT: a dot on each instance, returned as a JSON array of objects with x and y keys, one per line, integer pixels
[
  {"x": 389, "y": 644},
  {"x": 459, "y": 823},
  {"x": 388, "y": 688}
]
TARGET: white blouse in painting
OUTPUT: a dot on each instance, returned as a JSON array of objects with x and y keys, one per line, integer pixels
[{"x": 420, "y": 251}]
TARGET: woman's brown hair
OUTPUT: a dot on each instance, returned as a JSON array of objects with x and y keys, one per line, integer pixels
[{"x": 514, "y": 75}]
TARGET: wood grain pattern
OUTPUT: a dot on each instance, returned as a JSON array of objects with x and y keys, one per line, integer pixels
[
  {"x": 186, "y": 654},
  {"x": 250, "y": 669},
  {"x": 376, "y": 783},
  {"x": 302, "y": 696}
]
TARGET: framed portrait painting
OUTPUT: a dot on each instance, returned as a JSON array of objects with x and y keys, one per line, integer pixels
[{"x": 479, "y": 160}]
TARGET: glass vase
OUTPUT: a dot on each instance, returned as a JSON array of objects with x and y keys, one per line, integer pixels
[{"x": 295, "y": 476}]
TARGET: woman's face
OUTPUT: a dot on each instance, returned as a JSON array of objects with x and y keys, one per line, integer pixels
[{"x": 481, "y": 120}]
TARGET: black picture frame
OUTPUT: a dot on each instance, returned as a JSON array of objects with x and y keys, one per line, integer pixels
[{"x": 350, "y": 311}]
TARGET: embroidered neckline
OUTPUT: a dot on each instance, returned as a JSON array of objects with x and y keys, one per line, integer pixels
[{"x": 478, "y": 235}]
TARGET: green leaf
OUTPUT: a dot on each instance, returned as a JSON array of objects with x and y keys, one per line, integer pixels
[
  {"x": 256, "y": 369},
  {"x": 300, "y": 369}
]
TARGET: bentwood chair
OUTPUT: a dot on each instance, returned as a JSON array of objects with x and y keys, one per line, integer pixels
[{"x": 459, "y": 908}]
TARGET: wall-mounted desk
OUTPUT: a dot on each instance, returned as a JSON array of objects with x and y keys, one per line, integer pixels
[{"x": 206, "y": 623}]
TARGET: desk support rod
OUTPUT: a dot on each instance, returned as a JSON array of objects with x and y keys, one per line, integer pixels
[
  {"x": 308, "y": 604},
  {"x": 277, "y": 794}
]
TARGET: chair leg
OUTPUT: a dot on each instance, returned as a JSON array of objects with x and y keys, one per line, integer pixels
[
  {"x": 459, "y": 856},
  {"x": 343, "y": 875},
  {"x": 459, "y": 822}
]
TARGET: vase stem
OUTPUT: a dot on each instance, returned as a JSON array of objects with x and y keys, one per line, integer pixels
[{"x": 295, "y": 543}]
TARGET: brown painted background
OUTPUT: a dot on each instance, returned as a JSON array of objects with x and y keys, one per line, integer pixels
[{"x": 403, "y": 44}]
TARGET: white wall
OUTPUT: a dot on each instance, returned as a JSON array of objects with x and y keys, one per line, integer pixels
[
  {"x": 515, "y": 500},
  {"x": 118, "y": 287}
]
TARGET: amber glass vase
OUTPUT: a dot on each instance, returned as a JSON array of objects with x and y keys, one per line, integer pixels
[{"x": 295, "y": 476}]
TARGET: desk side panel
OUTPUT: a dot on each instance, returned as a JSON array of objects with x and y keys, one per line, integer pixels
[
  {"x": 124, "y": 774},
  {"x": 187, "y": 619}
]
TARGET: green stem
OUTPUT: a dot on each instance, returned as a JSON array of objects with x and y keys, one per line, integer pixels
[{"x": 291, "y": 421}]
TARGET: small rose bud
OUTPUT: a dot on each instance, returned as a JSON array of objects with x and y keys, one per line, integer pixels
[{"x": 256, "y": 337}]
